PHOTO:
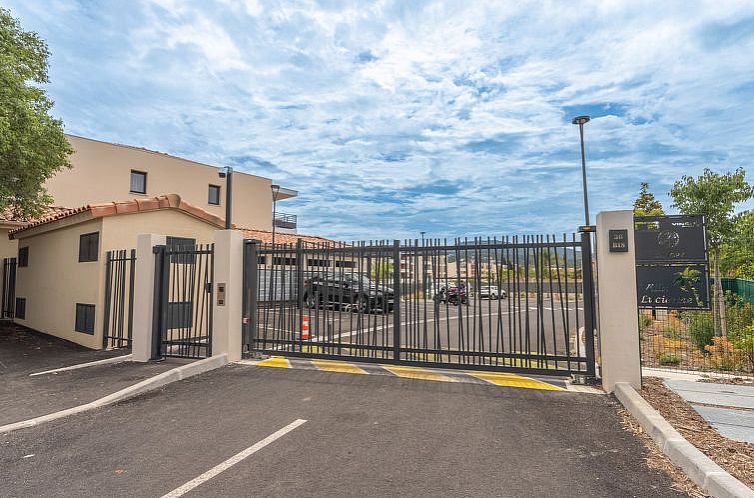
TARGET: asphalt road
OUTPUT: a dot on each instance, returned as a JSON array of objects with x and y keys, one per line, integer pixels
[
  {"x": 364, "y": 436},
  {"x": 510, "y": 325}
]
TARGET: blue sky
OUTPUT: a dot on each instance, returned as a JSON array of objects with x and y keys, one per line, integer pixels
[{"x": 394, "y": 117}]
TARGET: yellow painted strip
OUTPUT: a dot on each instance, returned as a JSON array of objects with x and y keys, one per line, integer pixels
[
  {"x": 513, "y": 380},
  {"x": 337, "y": 366},
  {"x": 417, "y": 373},
  {"x": 275, "y": 361}
]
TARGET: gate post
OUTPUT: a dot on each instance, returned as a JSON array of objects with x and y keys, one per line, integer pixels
[
  {"x": 587, "y": 279},
  {"x": 619, "y": 324},
  {"x": 397, "y": 300},
  {"x": 227, "y": 327},
  {"x": 144, "y": 276}
]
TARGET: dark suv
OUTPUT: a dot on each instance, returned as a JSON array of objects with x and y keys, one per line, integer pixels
[{"x": 347, "y": 292}]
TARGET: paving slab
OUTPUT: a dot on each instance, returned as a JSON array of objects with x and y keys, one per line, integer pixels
[
  {"x": 713, "y": 394},
  {"x": 734, "y": 424}
]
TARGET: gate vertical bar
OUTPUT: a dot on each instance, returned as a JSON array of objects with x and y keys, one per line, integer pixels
[
  {"x": 108, "y": 298},
  {"x": 300, "y": 291},
  {"x": 131, "y": 278},
  {"x": 587, "y": 279},
  {"x": 397, "y": 300}
]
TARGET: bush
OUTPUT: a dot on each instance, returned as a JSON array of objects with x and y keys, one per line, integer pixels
[
  {"x": 669, "y": 360},
  {"x": 673, "y": 333},
  {"x": 701, "y": 328},
  {"x": 645, "y": 321}
]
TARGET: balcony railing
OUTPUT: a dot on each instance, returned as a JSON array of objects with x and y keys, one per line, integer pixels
[{"x": 285, "y": 220}]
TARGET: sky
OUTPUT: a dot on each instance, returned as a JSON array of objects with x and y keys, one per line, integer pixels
[{"x": 395, "y": 117}]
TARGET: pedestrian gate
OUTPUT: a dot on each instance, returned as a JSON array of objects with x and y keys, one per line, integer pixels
[
  {"x": 516, "y": 304},
  {"x": 119, "y": 299},
  {"x": 182, "y": 325}
]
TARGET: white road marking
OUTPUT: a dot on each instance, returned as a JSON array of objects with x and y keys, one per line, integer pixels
[{"x": 238, "y": 457}]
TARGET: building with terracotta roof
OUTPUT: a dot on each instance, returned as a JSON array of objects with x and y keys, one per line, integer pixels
[{"x": 61, "y": 264}]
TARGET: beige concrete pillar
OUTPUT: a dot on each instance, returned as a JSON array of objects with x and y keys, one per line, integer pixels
[
  {"x": 227, "y": 318},
  {"x": 141, "y": 344},
  {"x": 618, "y": 318}
]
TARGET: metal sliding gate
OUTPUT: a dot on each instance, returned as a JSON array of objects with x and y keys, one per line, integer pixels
[
  {"x": 9, "y": 288},
  {"x": 518, "y": 304},
  {"x": 184, "y": 276},
  {"x": 119, "y": 299}
]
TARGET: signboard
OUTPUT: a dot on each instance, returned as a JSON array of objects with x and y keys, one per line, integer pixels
[
  {"x": 673, "y": 286},
  {"x": 618, "y": 240},
  {"x": 672, "y": 269},
  {"x": 664, "y": 239}
]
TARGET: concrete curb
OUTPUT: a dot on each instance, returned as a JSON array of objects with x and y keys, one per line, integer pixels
[
  {"x": 708, "y": 475},
  {"x": 106, "y": 361},
  {"x": 176, "y": 374}
]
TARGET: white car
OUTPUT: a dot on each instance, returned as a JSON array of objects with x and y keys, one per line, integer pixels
[{"x": 491, "y": 292}]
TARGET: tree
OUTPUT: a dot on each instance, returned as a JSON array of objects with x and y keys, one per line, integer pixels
[
  {"x": 33, "y": 146},
  {"x": 646, "y": 204},
  {"x": 737, "y": 252},
  {"x": 715, "y": 196}
]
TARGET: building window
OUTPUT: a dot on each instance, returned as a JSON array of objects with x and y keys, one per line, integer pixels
[
  {"x": 138, "y": 182},
  {"x": 180, "y": 315},
  {"x": 345, "y": 264},
  {"x": 88, "y": 247},
  {"x": 214, "y": 195},
  {"x": 85, "y": 318},
  {"x": 23, "y": 256},
  {"x": 184, "y": 247},
  {"x": 262, "y": 260},
  {"x": 21, "y": 308},
  {"x": 318, "y": 262}
]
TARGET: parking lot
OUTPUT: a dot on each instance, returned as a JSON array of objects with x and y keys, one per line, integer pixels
[
  {"x": 514, "y": 325},
  {"x": 355, "y": 436}
]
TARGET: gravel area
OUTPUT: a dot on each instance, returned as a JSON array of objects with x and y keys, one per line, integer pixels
[{"x": 735, "y": 457}]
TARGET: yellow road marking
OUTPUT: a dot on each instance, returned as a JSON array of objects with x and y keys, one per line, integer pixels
[
  {"x": 417, "y": 373},
  {"x": 337, "y": 366},
  {"x": 513, "y": 380},
  {"x": 275, "y": 361}
]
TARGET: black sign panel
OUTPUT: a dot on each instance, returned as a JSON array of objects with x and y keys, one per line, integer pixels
[
  {"x": 673, "y": 286},
  {"x": 670, "y": 239},
  {"x": 618, "y": 240}
]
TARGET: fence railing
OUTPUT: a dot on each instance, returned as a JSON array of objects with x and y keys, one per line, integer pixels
[
  {"x": 512, "y": 303},
  {"x": 117, "y": 329}
]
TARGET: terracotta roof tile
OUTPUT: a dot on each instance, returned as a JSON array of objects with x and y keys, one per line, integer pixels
[
  {"x": 288, "y": 238},
  {"x": 169, "y": 201},
  {"x": 9, "y": 217}
]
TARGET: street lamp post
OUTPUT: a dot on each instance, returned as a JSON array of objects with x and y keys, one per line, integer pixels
[
  {"x": 275, "y": 191},
  {"x": 227, "y": 173},
  {"x": 581, "y": 121}
]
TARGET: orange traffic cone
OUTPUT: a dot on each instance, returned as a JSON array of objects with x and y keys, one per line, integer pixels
[{"x": 305, "y": 327}]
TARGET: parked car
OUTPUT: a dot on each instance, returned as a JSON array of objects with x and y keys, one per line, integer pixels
[
  {"x": 352, "y": 292},
  {"x": 491, "y": 292}
]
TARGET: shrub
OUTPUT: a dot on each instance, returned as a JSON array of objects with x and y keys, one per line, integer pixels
[
  {"x": 669, "y": 360},
  {"x": 673, "y": 333},
  {"x": 701, "y": 328},
  {"x": 645, "y": 321},
  {"x": 723, "y": 355}
]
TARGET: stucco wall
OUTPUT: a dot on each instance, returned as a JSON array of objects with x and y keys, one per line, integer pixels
[
  {"x": 55, "y": 281},
  {"x": 121, "y": 232},
  {"x": 101, "y": 173},
  {"x": 8, "y": 248}
]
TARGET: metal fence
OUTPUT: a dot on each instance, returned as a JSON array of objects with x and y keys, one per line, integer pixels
[
  {"x": 718, "y": 340},
  {"x": 511, "y": 304},
  {"x": 184, "y": 277},
  {"x": 119, "y": 299},
  {"x": 8, "y": 297}
]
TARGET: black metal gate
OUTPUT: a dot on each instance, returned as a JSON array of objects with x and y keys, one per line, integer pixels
[
  {"x": 517, "y": 304},
  {"x": 184, "y": 276},
  {"x": 119, "y": 299},
  {"x": 9, "y": 288}
]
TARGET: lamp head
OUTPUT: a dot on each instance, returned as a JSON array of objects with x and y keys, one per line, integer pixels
[{"x": 580, "y": 120}]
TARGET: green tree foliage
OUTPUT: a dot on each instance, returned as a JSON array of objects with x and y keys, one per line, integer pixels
[
  {"x": 32, "y": 144},
  {"x": 646, "y": 204},
  {"x": 737, "y": 252},
  {"x": 715, "y": 196}
]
